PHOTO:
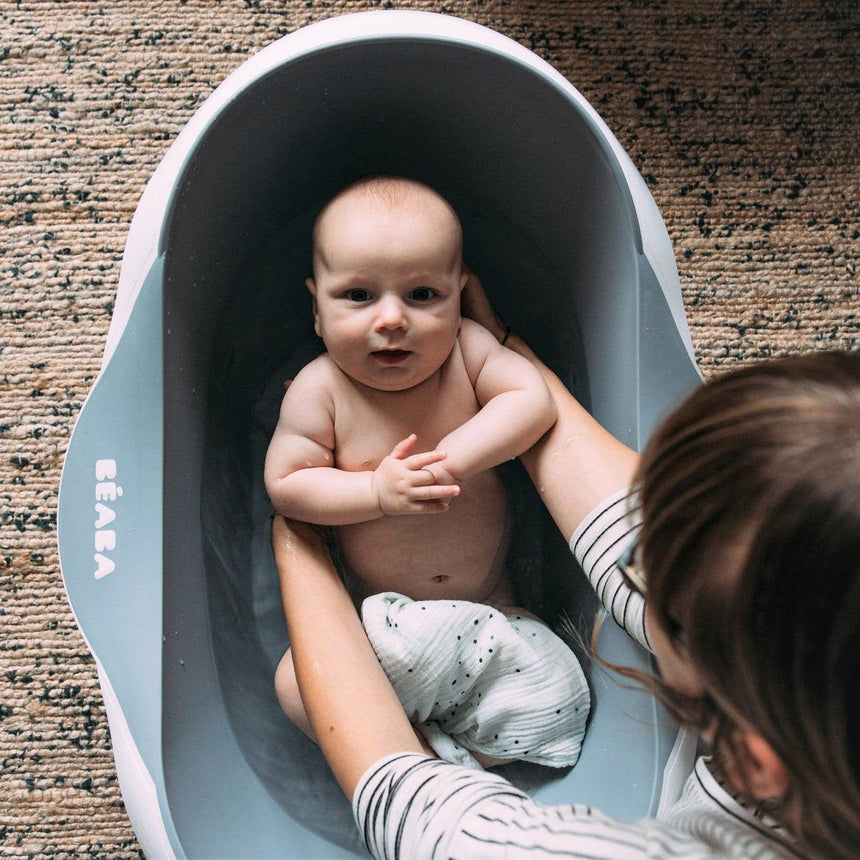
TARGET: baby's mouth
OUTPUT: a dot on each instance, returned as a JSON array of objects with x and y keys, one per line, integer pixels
[{"x": 391, "y": 357}]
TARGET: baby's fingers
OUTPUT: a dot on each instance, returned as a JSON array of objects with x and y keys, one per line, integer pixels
[
  {"x": 417, "y": 462},
  {"x": 401, "y": 449},
  {"x": 435, "y": 493},
  {"x": 433, "y": 499},
  {"x": 435, "y": 504}
]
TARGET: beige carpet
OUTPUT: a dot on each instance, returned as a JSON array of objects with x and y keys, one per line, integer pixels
[{"x": 742, "y": 116}]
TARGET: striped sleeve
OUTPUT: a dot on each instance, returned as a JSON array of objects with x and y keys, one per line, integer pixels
[
  {"x": 597, "y": 544},
  {"x": 409, "y": 805},
  {"x": 426, "y": 797}
]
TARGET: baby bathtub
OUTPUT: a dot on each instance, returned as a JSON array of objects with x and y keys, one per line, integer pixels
[{"x": 163, "y": 526}]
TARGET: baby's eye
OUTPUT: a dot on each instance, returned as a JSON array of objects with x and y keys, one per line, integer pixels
[
  {"x": 358, "y": 295},
  {"x": 422, "y": 294}
]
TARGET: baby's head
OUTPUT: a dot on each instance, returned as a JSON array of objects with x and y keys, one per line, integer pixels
[{"x": 388, "y": 272}]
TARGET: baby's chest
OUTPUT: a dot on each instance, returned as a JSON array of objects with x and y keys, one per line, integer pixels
[{"x": 366, "y": 431}]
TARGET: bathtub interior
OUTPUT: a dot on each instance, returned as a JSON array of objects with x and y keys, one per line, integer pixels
[{"x": 548, "y": 225}]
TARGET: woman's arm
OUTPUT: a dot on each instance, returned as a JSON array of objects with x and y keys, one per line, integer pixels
[
  {"x": 578, "y": 463},
  {"x": 411, "y": 805},
  {"x": 352, "y": 707}
]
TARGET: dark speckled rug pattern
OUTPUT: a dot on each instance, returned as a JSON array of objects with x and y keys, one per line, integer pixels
[{"x": 741, "y": 114}]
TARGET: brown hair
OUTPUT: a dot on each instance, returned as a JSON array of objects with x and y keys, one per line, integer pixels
[{"x": 750, "y": 495}]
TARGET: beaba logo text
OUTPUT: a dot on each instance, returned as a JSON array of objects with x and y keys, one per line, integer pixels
[{"x": 107, "y": 492}]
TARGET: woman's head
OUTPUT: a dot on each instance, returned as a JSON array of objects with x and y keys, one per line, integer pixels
[{"x": 751, "y": 545}]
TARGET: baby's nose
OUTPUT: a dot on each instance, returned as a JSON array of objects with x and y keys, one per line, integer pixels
[{"x": 390, "y": 314}]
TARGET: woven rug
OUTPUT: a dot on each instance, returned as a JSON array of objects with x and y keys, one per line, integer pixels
[{"x": 742, "y": 116}]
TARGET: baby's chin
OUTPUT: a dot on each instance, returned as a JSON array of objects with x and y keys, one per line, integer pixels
[
  {"x": 394, "y": 385},
  {"x": 393, "y": 378}
]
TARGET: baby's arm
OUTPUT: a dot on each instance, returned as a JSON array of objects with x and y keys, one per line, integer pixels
[
  {"x": 516, "y": 407},
  {"x": 303, "y": 482}
]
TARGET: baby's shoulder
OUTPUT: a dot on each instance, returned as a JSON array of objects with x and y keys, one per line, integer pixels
[
  {"x": 322, "y": 372},
  {"x": 475, "y": 338},
  {"x": 313, "y": 388},
  {"x": 475, "y": 344},
  {"x": 307, "y": 408}
]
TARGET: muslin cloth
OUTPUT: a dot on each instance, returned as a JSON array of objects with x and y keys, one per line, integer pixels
[{"x": 474, "y": 679}]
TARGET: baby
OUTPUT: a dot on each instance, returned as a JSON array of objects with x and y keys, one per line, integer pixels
[{"x": 391, "y": 436}]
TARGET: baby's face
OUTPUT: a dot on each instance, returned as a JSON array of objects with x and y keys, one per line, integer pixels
[{"x": 386, "y": 287}]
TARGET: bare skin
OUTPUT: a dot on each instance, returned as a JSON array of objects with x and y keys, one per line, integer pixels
[
  {"x": 459, "y": 554},
  {"x": 392, "y": 437},
  {"x": 351, "y": 704}
]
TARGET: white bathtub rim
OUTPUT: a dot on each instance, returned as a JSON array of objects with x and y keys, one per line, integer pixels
[
  {"x": 150, "y": 820},
  {"x": 139, "y": 792},
  {"x": 137, "y": 785},
  {"x": 145, "y": 235}
]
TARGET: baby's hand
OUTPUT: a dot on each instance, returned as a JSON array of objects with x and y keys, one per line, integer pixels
[
  {"x": 441, "y": 474},
  {"x": 402, "y": 484}
]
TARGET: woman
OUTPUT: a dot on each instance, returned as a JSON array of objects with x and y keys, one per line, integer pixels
[{"x": 746, "y": 573}]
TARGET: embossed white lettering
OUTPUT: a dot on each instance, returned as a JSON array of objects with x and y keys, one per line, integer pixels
[
  {"x": 105, "y": 565},
  {"x": 106, "y": 490},
  {"x": 106, "y": 516},
  {"x": 105, "y": 470},
  {"x": 105, "y": 540}
]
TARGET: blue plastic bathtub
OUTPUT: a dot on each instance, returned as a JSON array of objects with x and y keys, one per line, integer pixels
[{"x": 163, "y": 523}]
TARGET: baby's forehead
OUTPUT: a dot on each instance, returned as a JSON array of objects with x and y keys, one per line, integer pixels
[
  {"x": 387, "y": 195},
  {"x": 406, "y": 197}
]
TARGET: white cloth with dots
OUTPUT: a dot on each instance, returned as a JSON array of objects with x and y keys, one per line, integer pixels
[{"x": 472, "y": 678}]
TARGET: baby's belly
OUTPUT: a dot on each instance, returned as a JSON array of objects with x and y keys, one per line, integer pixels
[{"x": 459, "y": 554}]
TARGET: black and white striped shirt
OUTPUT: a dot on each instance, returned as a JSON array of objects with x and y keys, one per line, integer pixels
[{"x": 410, "y": 806}]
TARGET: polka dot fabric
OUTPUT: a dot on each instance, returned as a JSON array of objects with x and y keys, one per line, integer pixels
[{"x": 473, "y": 679}]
